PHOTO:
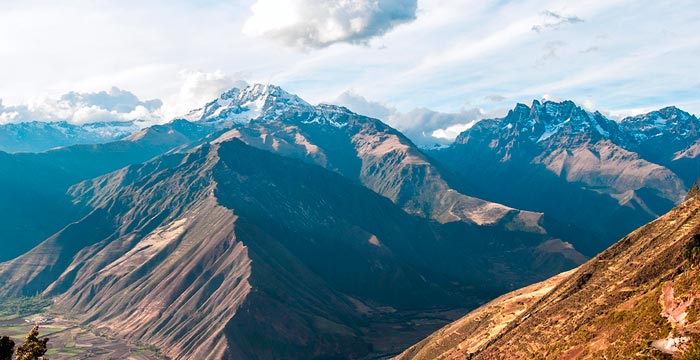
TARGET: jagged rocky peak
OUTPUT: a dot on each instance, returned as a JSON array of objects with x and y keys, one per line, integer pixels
[
  {"x": 543, "y": 120},
  {"x": 569, "y": 119},
  {"x": 667, "y": 121},
  {"x": 253, "y": 102}
]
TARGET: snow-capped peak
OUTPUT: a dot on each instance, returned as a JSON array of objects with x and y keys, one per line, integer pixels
[
  {"x": 548, "y": 118},
  {"x": 243, "y": 105},
  {"x": 667, "y": 121},
  {"x": 546, "y": 121}
]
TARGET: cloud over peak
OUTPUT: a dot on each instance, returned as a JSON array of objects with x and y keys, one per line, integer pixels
[{"x": 310, "y": 24}]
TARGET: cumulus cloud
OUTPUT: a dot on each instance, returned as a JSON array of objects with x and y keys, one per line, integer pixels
[
  {"x": 197, "y": 88},
  {"x": 115, "y": 99},
  {"x": 451, "y": 132},
  {"x": 425, "y": 127},
  {"x": 552, "y": 21},
  {"x": 320, "y": 23},
  {"x": 429, "y": 128},
  {"x": 80, "y": 108}
]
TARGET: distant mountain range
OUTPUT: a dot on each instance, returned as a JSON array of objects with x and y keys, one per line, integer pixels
[
  {"x": 38, "y": 136},
  {"x": 261, "y": 226}
]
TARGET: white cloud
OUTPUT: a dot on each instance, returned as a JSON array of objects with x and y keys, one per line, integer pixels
[
  {"x": 423, "y": 126},
  {"x": 80, "y": 108},
  {"x": 359, "y": 104},
  {"x": 451, "y": 132},
  {"x": 320, "y": 23},
  {"x": 196, "y": 89}
]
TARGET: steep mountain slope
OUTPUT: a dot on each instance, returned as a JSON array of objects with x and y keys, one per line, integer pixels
[
  {"x": 358, "y": 147},
  {"x": 284, "y": 259},
  {"x": 38, "y": 136},
  {"x": 34, "y": 202},
  {"x": 577, "y": 167},
  {"x": 638, "y": 298}
]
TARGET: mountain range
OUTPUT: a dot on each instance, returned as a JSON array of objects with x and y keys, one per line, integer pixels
[
  {"x": 260, "y": 226},
  {"x": 38, "y": 136},
  {"x": 579, "y": 167}
]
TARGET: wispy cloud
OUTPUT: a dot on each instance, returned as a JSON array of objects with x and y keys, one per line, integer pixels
[{"x": 552, "y": 21}]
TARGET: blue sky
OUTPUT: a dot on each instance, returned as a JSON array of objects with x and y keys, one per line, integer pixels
[{"x": 394, "y": 57}]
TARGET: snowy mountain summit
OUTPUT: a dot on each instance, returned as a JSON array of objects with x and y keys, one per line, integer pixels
[
  {"x": 669, "y": 121},
  {"x": 264, "y": 102},
  {"x": 253, "y": 102}
]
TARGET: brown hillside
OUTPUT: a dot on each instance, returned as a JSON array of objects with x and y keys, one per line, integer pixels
[{"x": 637, "y": 298}]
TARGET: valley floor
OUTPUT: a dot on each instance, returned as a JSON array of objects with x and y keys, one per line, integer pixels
[{"x": 68, "y": 340}]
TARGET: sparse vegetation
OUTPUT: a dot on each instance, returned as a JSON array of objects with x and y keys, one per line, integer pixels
[
  {"x": 23, "y": 306},
  {"x": 691, "y": 251}
]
